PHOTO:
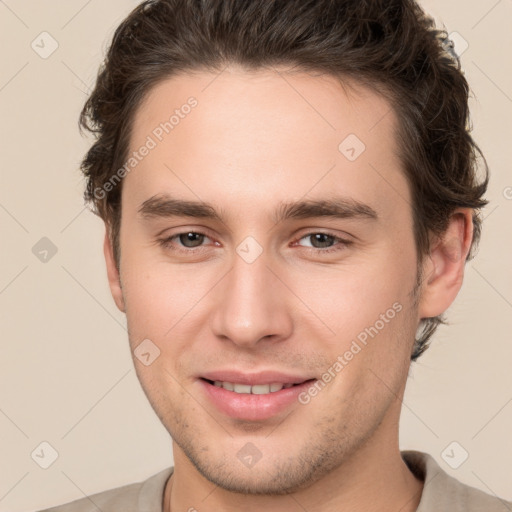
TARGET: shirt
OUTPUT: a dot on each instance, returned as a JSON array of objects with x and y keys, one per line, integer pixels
[{"x": 441, "y": 493}]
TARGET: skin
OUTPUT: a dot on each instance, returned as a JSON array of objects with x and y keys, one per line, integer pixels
[{"x": 255, "y": 140}]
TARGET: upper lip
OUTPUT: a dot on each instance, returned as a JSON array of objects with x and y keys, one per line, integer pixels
[{"x": 262, "y": 377}]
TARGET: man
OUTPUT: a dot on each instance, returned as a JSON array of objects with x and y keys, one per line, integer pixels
[{"x": 290, "y": 195}]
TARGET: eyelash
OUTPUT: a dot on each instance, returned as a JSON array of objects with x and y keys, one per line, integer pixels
[{"x": 342, "y": 243}]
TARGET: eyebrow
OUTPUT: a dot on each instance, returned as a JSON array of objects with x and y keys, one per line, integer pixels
[
  {"x": 338, "y": 208},
  {"x": 164, "y": 206}
]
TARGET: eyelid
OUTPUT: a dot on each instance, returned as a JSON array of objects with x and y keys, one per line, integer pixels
[
  {"x": 180, "y": 230},
  {"x": 313, "y": 230}
]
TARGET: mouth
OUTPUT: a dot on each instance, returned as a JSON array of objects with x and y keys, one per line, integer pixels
[{"x": 253, "y": 401}]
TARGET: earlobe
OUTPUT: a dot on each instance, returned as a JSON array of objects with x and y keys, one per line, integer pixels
[
  {"x": 443, "y": 270},
  {"x": 114, "y": 279}
]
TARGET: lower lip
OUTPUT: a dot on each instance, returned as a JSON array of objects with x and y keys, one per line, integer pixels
[{"x": 245, "y": 406}]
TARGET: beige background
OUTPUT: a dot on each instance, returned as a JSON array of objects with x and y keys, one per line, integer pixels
[{"x": 66, "y": 375}]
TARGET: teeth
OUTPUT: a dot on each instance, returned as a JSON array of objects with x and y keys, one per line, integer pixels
[
  {"x": 242, "y": 388},
  {"x": 257, "y": 389},
  {"x": 260, "y": 389}
]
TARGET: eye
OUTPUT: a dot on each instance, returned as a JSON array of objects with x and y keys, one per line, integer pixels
[
  {"x": 184, "y": 241},
  {"x": 318, "y": 242},
  {"x": 324, "y": 242}
]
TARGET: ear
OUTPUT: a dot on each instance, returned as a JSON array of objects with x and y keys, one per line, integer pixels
[
  {"x": 443, "y": 268},
  {"x": 114, "y": 279}
]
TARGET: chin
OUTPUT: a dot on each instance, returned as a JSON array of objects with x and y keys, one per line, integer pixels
[
  {"x": 283, "y": 474},
  {"x": 265, "y": 481}
]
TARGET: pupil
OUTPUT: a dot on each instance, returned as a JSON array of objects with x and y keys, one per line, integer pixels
[{"x": 191, "y": 239}]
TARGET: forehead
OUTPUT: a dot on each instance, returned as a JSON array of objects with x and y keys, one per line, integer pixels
[{"x": 260, "y": 135}]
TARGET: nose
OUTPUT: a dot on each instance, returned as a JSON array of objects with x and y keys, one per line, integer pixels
[{"x": 252, "y": 304}]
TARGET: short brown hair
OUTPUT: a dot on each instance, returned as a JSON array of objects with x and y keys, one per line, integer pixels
[{"x": 390, "y": 46}]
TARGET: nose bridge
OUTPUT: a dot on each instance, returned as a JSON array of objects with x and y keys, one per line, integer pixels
[{"x": 250, "y": 306}]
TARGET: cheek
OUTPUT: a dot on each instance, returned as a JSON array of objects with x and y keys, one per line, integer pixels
[
  {"x": 352, "y": 298},
  {"x": 164, "y": 300}
]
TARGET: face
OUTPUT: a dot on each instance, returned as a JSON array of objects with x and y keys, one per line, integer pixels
[{"x": 267, "y": 241}]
